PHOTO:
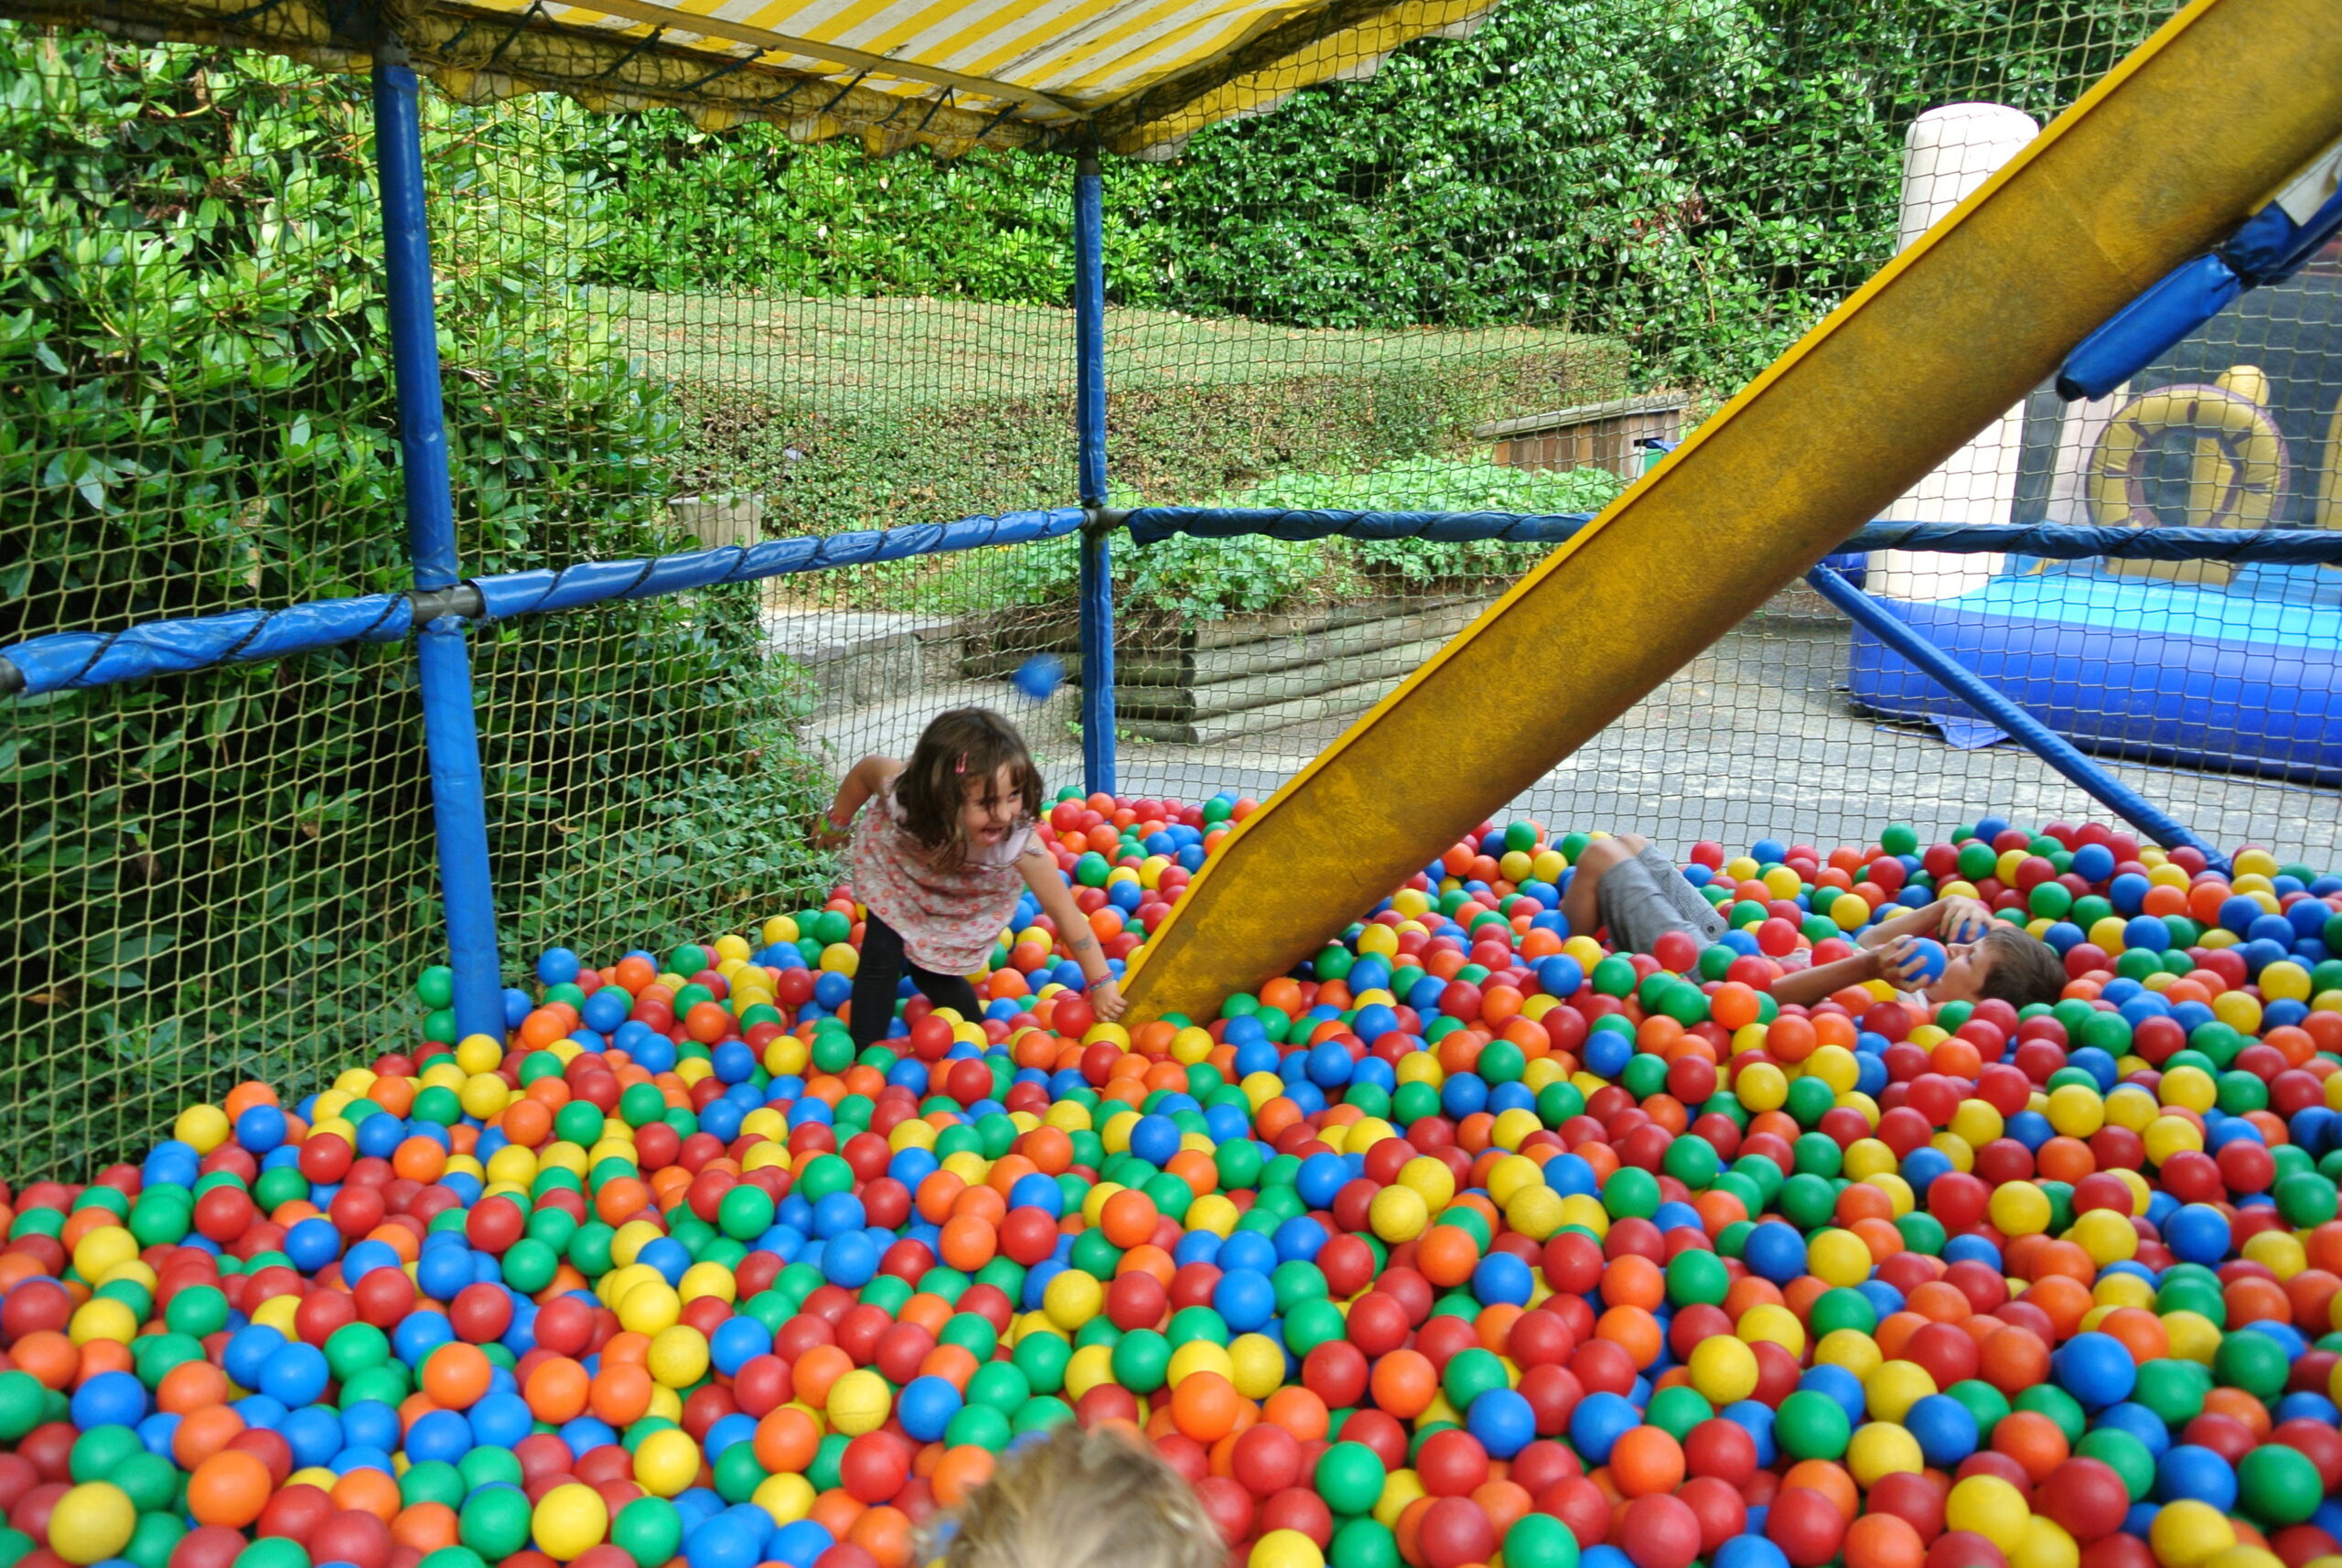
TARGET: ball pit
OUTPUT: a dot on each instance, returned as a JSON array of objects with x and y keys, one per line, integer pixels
[{"x": 1471, "y": 1243}]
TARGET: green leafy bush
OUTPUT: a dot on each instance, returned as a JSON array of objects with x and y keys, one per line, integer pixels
[
  {"x": 1701, "y": 178},
  {"x": 1189, "y": 577},
  {"x": 231, "y": 874}
]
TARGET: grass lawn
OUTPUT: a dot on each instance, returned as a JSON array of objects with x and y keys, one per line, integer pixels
[{"x": 876, "y": 355}]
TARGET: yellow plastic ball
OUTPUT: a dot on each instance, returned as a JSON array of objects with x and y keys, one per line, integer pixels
[
  {"x": 1285, "y": 1549},
  {"x": 1891, "y": 1392},
  {"x": 1851, "y": 1348},
  {"x": 1838, "y": 1258},
  {"x": 103, "y": 1317},
  {"x": 203, "y": 1127},
  {"x": 2187, "y": 1533},
  {"x": 2076, "y": 1111},
  {"x": 787, "y": 1497},
  {"x": 668, "y": 1462},
  {"x": 2017, "y": 1208},
  {"x": 105, "y": 1249},
  {"x": 1072, "y": 1299},
  {"x": 1778, "y": 1323},
  {"x": 1199, "y": 1356},
  {"x": 1988, "y": 1507},
  {"x": 2284, "y": 981},
  {"x": 859, "y": 1402},
  {"x": 1259, "y": 1362},
  {"x": 1430, "y": 1179},
  {"x": 678, "y": 1355},
  {"x": 92, "y": 1522},
  {"x": 1761, "y": 1086},
  {"x": 1880, "y": 1449},
  {"x": 1724, "y": 1369},
  {"x": 1535, "y": 1213},
  {"x": 650, "y": 1308},
  {"x": 570, "y": 1520},
  {"x": 2046, "y": 1545},
  {"x": 1399, "y": 1212},
  {"x": 2189, "y": 1088},
  {"x": 2106, "y": 1236}
]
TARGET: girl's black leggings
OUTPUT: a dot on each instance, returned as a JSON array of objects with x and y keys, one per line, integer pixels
[{"x": 881, "y": 971}]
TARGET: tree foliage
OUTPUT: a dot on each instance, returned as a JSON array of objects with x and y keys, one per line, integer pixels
[
  {"x": 1701, "y": 178},
  {"x": 232, "y": 874}
]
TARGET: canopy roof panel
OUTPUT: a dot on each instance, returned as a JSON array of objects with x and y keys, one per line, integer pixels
[{"x": 1138, "y": 76}]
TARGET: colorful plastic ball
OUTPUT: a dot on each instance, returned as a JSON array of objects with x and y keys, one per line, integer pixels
[
  {"x": 2279, "y": 1484},
  {"x": 2185, "y": 1534},
  {"x": 1660, "y": 1532},
  {"x": 1037, "y": 680},
  {"x": 1806, "y": 1525},
  {"x": 92, "y": 1522},
  {"x": 569, "y": 1521}
]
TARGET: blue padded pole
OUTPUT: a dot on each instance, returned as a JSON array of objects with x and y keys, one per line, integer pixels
[
  {"x": 443, "y": 664},
  {"x": 1090, "y": 426},
  {"x": 2039, "y": 739}
]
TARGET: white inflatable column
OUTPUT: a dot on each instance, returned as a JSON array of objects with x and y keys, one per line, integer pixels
[{"x": 1947, "y": 154}]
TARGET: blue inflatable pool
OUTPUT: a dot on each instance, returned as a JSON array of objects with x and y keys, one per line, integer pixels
[{"x": 2245, "y": 677}]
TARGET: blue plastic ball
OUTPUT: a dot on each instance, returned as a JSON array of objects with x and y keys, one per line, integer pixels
[{"x": 1039, "y": 678}]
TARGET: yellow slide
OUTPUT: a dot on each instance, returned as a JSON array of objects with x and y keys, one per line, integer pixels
[{"x": 2195, "y": 130}]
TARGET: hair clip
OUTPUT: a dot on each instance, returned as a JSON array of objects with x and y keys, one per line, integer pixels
[{"x": 960, "y": 766}]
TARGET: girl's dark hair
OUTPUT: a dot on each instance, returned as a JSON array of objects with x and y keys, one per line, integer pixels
[
  {"x": 963, "y": 745},
  {"x": 2024, "y": 969}
]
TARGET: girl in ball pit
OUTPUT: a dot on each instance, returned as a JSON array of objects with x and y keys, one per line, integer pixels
[
  {"x": 1624, "y": 884},
  {"x": 938, "y": 859}
]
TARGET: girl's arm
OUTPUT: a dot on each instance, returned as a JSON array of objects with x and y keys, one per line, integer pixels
[
  {"x": 1893, "y": 962},
  {"x": 861, "y": 780},
  {"x": 1954, "y": 919},
  {"x": 1041, "y": 874}
]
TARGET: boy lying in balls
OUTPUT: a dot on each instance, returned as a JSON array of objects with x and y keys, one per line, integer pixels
[{"x": 1952, "y": 949}]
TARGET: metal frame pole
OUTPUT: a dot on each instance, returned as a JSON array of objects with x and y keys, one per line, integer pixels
[
  {"x": 1089, "y": 423},
  {"x": 2039, "y": 739},
  {"x": 443, "y": 663}
]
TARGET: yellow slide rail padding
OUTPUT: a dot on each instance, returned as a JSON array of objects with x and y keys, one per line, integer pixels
[
  {"x": 2247, "y": 470},
  {"x": 2156, "y": 163}
]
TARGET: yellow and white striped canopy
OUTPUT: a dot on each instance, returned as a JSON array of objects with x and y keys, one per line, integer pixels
[{"x": 1136, "y": 77}]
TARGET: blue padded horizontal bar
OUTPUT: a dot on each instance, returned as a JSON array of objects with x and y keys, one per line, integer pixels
[
  {"x": 591, "y": 582},
  {"x": 69, "y": 659},
  {"x": 1150, "y": 525}
]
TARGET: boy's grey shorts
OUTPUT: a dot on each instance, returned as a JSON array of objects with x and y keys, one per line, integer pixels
[{"x": 1642, "y": 900}]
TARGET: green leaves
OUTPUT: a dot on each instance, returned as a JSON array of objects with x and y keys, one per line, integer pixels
[{"x": 233, "y": 873}]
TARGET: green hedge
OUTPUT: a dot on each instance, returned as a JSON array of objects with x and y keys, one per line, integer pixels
[
  {"x": 1700, "y": 177},
  {"x": 1189, "y": 578},
  {"x": 231, "y": 874},
  {"x": 824, "y": 471}
]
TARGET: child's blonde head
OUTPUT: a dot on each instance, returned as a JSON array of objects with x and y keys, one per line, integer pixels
[{"x": 1084, "y": 1500}]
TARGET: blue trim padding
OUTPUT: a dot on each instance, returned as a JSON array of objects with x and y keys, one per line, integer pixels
[
  {"x": 2165, "y": 673},
  {"x": 1097, "y": 619},
  {"x": 443, "y": 665},
  {"x": 71, "y": 659},
  {"x": 591, "y": 582},
  {"x": 415, "y": 330},
  {"x": 1990, "y": 700},
  {"x": 2269, "y": 248},
  {"x": 66, "y": 660},
  {"x": 459, "y": 816},
  {"x": 2146, "y": 330},
  {"x": 1152, "y": 525}
]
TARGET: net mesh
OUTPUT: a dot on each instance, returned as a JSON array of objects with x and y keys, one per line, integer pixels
[{"x": 1500, "y": 274}]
